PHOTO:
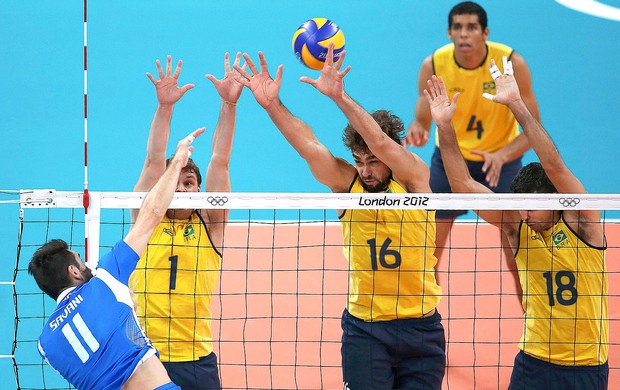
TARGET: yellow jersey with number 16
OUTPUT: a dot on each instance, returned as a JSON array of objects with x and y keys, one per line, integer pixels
[
  {"x": 391, "y": 260},
  {"x": 173, "y": 285},
  {"x": 479, "y": 124}
]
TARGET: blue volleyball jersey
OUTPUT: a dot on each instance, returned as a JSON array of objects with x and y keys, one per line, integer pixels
[{"x": 93, "y": 338}]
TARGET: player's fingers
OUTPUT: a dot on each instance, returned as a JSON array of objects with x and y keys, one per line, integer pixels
[
  {"x": 340, "y": 59},
  {"x": 507, "y": 66},
  {"x": 278, "y": 79},
  {"x": 150, "y": 76},
  {"x": 250, "y": 63},
  {"x": 226, "y": 62},
  {"x": 495, "y": 73},
  {"x": 345, "y": 71},
  {"x": 263, "y": 63},
  {"x": 455, "y": 97},
  {"x": 168, "y": 65},
  {"x": 307, "y": 80},
  {"x": 160, "y": 72},
  {"x": 329, "y": 60},
  {"x": 243, "y": 72},
  {"x": 177, "y": 71},
  {"x": 186, "y": 88},
  {"x": 488, "y": 96}
]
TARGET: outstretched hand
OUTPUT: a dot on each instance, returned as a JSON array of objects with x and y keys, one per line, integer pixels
[
  {"x": 166, "y": 87},
  {"x": 263, "y": 87},
  {"x": 442, "y": 109},
  {"x": 330, "y": 81},
  {"x": 229, "y": 87},
  {"x": 506, "y": 88},
  {"x": 184, "y": 148}
]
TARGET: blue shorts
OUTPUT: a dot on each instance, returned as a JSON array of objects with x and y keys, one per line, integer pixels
[
  {"x": 531, "y": 373},
  {"x": 403, "y": 354},
  {"x": 200, "y": 374},
  {"x": 439, "y": 180},
  {"x": 168, "y": 386}
]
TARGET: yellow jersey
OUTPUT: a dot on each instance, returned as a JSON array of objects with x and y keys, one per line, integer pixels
[
  {"x": 564, "y": 285},
  {"x": 173, "y": 284},
  {"x": 391, "y": 261},
  {"x": 479, "y": 124}
]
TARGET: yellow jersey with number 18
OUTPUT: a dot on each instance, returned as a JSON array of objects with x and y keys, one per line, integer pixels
[
  {"x": 391, "y": 260},
  {"x": 479, "y": 124},
  {"x": 564, "y": 283},
  {"x": 173, "y": 285}
]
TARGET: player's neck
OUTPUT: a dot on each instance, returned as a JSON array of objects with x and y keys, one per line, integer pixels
[{"x": 471, "y": 60}]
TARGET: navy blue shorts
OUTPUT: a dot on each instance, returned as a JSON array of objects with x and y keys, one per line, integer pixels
[
  {"x": 531, "y": 373},
  {"x": 439, "y": 180},
  {"x": 198, "y": 375},
  {"x": 403, "y": 354}
]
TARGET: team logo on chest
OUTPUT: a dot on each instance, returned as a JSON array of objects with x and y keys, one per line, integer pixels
[
  {"x": 488, "y": 87},
  {"x": 560, "y": 239},
  {"x": 189, "y": 233}
]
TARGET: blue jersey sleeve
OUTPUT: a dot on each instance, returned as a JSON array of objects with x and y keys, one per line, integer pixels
[{"x": 120, "y": 261}]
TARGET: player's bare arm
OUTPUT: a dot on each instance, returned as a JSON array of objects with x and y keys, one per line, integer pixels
[
  {"x": 159, "y": 197},
  {"x": 443, "y": 110},
  {"x": 217, "y": 178},
  {"x": 407, "y": 169},
  {"x": 419, "y": 129},
  {"x": 585, "y": 222},
  {"x": 333, "y": 172}
]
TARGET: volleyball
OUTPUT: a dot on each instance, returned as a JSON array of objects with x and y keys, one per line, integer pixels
[{"x": 312, "y": 38}]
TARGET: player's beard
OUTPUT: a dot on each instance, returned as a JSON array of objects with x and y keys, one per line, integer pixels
[{"x": 381, "y": 186}]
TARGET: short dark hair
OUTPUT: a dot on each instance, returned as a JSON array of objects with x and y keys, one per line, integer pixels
[
  {"x": 469, "y": 7},
  {"x": 191, "y": 167},
  {"x": 49, "y": 266},
  {"x": 391, "y": 125},
  {"x": 532, "y": 178}
]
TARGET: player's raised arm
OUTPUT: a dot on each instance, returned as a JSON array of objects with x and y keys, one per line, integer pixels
[
  {"x": 333, "y": 172},
  {"x": 419, "y": 129},
  {"x": 459, "y": 177},
  {"x": 168, "y": 93},
  {"x": 218, "y": 174},
  {"x": 158, "y": 199},
  {"x": 508, "y": 94},
  {"x": 407, "y": 168}
]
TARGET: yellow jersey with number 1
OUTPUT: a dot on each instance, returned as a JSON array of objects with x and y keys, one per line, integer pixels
[
  {"x": 173, "y": 285},
  {"x": 480, "y": 124},
  {"x": 391, "y": 260},
  {"x": 564, "y": 283}
]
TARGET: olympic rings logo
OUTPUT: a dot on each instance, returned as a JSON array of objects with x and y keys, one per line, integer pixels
[
  {"x": 217, "y": 200},
  {"x": 569, "y": 202}
]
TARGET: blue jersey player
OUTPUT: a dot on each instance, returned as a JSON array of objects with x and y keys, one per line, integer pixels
[{"x": 93, "y": 338}]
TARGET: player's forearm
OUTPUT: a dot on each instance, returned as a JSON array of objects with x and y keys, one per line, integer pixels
[
  {"x": 224, "y": 133},
  {"x": 453, "y": 162},
  {"x": 516, "y": 148},
  {"x": 159, "y": 132},
  {"x": 362, "y": 122},
  {"x": 296, "y": 131},
  {"x": 537, "y": 136}
]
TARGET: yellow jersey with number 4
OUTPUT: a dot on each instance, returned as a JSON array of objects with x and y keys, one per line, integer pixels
[
  {"x": 479, "y": 124},
  {"x": 564, "y": 285},
  {"x": 173, "y": 285},
  {"x": 391, "y": 260}
]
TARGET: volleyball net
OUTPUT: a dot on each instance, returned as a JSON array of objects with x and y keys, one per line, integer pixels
[{"x": 284, "y": 281}]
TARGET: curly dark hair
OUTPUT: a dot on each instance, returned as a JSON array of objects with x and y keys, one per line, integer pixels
[
  {"x": 391, "y": 125},
  {"x": 532, "y": 178},
  {"x": 49, "y": 267}
]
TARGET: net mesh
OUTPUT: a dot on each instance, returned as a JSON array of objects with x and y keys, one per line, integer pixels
[{"x": 283, "y": 284}]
